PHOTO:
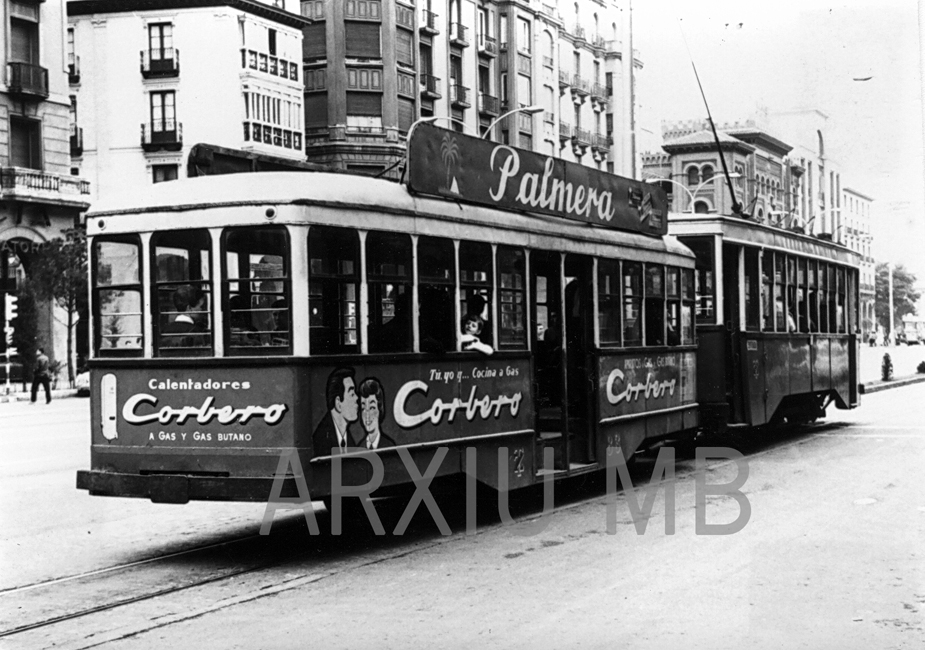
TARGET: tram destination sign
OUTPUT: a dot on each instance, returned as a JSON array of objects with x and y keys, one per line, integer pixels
[{"x": 454, "y": 165}]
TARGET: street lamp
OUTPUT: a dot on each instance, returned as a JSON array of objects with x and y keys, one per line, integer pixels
[
  {"x": 431, "y": 118},
  {"x": 529, "y": 110},
  {"x": 691, "y": 194}
]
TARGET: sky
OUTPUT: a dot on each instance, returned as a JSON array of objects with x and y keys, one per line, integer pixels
[{"x": 791, "y": 55}]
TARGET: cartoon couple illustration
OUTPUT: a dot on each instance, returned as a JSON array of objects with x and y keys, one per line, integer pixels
[{"x": 346, "y": 403}]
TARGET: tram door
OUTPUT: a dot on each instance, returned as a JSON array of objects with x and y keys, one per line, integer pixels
[{"x": 560, "y": 343}]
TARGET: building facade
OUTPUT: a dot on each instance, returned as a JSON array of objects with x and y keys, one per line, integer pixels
[
  {"x": 39, "y": 197},
  {"x": 374, "y": 67},
  {"x": 151, "y": 78},
  {"x": 856, "y": 213}
]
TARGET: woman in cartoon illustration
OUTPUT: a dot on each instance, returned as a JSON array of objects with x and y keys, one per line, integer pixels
[
  {"x": 372, "y": 413},
  {"x": 471, "y": 328}
]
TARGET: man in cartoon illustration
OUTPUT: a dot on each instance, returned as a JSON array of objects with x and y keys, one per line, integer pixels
[
  {"x": 372, "y": 413},
  {"x": 332, "y": 435}
]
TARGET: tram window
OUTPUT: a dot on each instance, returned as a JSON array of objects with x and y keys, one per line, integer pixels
[
  {"x": 512, "y": 298},
  {"x": 840, "y": 306},
  {"x": 779, "y": 284},
  {"x": 751, "y": 290},
  {"x": 475, "y": 282},
  {"x": 256, "y": 290},
  {"x": 802, "y": 297},
  {"x": 822, "y": 288},
  {"x": 655, "y": 304},
  {"x": 852, "y": 301},
  {"x": 833, "y": 299},
  {"x": 767, "y": 268},
  {"x": 687, "y": 306},
  {"x": 388, "y": 272},
  {"x": 333, "y": 290},
  {"x": 632, "y": 304},
  {"x": 812, "y": 298},
  {"x": 673, "y": 306},
  {"x": 181, "y": 265},
  {"x": 703, "y": 249},
  {"x": 608, "y": 301},
  {"x": 117, "y": 297},
  {"x": 436, "y": 294},
  {"x": 792, "y": 317}
]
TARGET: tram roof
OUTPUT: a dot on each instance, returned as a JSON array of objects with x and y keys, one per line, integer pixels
[
  {"x": 187, "y": 203},
  {"x": 751, "y": 233}
]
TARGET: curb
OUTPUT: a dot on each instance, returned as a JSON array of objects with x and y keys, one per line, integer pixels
[{"x": 877, "y": 386}]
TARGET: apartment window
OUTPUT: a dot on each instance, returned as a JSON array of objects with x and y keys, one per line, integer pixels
[
  {"x": 163, "y": 111},
  {"x": 163, "y": 173},
  {"x": 71, "y": 49},
  {"x": 524, "y": 39},
  {"x": 484, "y": 25},
  {"x": 24, "y": 41},
  {"x": 503, "y": 34},
  {"x": 272, "y": 41},
  {"x": 363, "y": 40},
  {"x": 25, "y": 143},
  {"x": 160, "y": 40}
]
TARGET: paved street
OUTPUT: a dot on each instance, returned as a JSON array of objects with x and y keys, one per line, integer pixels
[{"x": 830, "y": 558}]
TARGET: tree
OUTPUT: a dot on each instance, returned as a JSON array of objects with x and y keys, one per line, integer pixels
[
  {"x": 24, "y": 327},
  {"x": 59, "y": 273},
  {"x": 904, "y": 295}
]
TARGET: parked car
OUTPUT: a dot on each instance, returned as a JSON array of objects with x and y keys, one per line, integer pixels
[{"x": 82, "y": 384}]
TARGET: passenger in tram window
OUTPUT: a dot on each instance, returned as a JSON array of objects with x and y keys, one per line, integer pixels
[
  {"x": 243, "y": 333},
  {"x": 471, "y": 329},
  {"x": 332, "y": 435},
  {"x": 185, "y": 330},
  {"x": 372, "y": 414},
  {"x": 280, "y": 315}
]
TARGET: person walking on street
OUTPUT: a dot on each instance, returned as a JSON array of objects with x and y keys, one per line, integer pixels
[{"x": 41, "y": 375}]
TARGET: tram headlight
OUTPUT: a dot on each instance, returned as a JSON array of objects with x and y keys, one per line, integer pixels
[{"x": 271, "y": 213}]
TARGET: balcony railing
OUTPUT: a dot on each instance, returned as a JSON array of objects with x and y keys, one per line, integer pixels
[
  {"x": 488, "y": 45},
  {"x": 599, "y": 42},
  {"x": 565, "y": 79},
  {"x": 77, "y": 141},
  {"x": 548, "y": 61},
  {"x": 565, "y": 131},
  {"x": 599, "y": 92},
  {"x": 429, "y": 22},
  {"x": 525, "y": 122},
  {"x": 613, "y": 46},
  {"x": 459, "y": 96},
  {"x": 488, "y": 104},
  {"x": 17, "y": 181},
  {"x": 430, "y": 86},
  {"x": 458, "y": 35},
  {"x": 261, "y": 62},
  {"x": 578, "y": 31},
  {"x": 162, "y": 135},
  {"x": 581, "y": 85},
  {"x": 160, "y": 63},
  {"x": 27, "y": 80},
  {"x": 581, "y": 136},
  {"x": 601, "y": 142},
  {"x": 274, "y": 135},
  {"x": 73, "y": 69}
]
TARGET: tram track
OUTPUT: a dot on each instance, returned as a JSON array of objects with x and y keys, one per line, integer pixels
[{"x": 50, "y": 603}]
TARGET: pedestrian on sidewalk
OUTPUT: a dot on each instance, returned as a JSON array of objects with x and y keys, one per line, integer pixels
[{"x": 41, "y": 375}]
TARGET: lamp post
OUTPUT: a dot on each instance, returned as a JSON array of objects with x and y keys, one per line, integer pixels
[
  {"x": 432, "y": 118},
  {"x": 691, "y": 194},
  {"x": 530, "y": 110}
]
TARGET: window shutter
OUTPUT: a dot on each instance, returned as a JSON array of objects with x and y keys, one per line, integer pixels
[
  {"x": 316, "y": 109},
  {"x": 364, "y": 104},
  {"x": 405, "y": 114},
  {"x": 363, "y": 40},
  {"x": 313, "y": 41},
  {"x": 404, "y": 47}
]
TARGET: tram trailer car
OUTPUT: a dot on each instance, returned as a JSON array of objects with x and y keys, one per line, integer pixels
[
  {"x": 777, "y": 321},
  {"x": 238, "y": 318}
]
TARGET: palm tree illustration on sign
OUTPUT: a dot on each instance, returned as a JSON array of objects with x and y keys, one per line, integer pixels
[{"x": 449, "y": 151}]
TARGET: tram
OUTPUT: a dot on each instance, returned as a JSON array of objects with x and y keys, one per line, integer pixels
[
  {"x": 776, "y": 319},
  {"x": 502, "y": 300}
]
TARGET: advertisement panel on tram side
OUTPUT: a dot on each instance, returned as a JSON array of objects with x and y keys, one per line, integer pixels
[
  {"x": 202, "y": 408},
  {"x": 635, "y": 384},
  {"x": 382, "y": 406}
]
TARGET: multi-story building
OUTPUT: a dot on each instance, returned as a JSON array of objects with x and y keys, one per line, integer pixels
[
  {"x": 151, "y": 78},
  {"x": 39, "y": 198},
  {"x": 856, "y": 220},
  {"x": 374, "y": 67}
]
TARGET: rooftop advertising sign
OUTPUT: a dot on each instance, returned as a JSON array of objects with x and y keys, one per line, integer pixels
[{"x": 450, "y": 164}]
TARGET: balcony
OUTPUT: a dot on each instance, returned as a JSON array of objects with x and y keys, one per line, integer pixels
[
  {"x": 27, "y": 81},
  {"x": 162, "y": 135},
  {"x": 581, "y": 86},
  {"x": 36, "y": 186},
  {"x": 430, "y": 86},
  {"x": 565, "y": 132},
  {"x": 458, "y": 35},
  {"x": 429, "y": 22},
  {"x": 272, "y": 135},
  {"x": 599, "y": 92},
  {"x": 581, "y": 137},
  {"x": 599, "y": 42},
  {"x": 578, "y": 32},
  {"x": 548, "y": 62},
  {"x": 158, "y": 64},
  {"x": 488, "y": 45},
  {"x": 488, "y": 104},
  {"x": 525, "y": 123},
  {"x": 601, "y": 142},
  {"x": 613, "y": 46},
  {"x": 459, "y": 96},
  {"x": 73, "y": 69},
  {"x": 565, "y": 80},
  {"x": 77, "y": 141}
]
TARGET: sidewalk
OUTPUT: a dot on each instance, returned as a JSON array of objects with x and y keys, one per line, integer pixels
[{"x": 25, "y": 396}]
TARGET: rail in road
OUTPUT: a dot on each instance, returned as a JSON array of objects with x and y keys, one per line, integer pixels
[{"x": 91, "y": 608}]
